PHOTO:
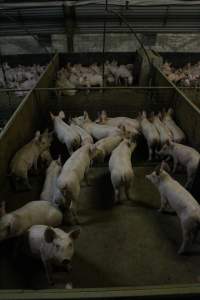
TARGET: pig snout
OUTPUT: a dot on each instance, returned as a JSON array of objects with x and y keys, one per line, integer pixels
[{"x": 66, "y": 263}]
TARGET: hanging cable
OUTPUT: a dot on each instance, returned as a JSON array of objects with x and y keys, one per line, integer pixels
[{"x": 122, "y": 18}]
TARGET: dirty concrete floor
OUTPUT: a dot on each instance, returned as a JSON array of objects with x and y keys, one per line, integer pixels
[{"x": 126, "y": 245}]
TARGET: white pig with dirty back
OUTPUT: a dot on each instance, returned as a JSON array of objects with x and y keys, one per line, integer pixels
[
  {"x": 17, "y": 222},
  {"x": 181, "y": 201},
  {"x": 53, "y": 246},
  {"x": 117, "y": 121},
  {"x": 86, "y": 138},
  {"x": 177, "y": 132},
  {"x": 65, "y": 133},
  {"x": 183, "y": 155},
  {"x": 150, "y": 133},
  {"x": 97, "y": 131},
  {"x": 72, "y": 174},
  {"x": 121, "y": 169},
  {"x": 164, "y": 132},
  {"x": 28, "y": 156},
  {"x": 50, "y": 191},
  {"x": 105, "y": 146}
]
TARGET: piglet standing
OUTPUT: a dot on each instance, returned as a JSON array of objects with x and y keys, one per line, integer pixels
[
  {"x": 65, "y": 133},
  {"x": 164, "y": 132},
  {"x": 50, "y": 190},
  {"x": 52, "y": 245},
  {"x": 183, "y": 155},
  {"x": 181, "y": 201},
  {"x": 35, "y": 212},
  {"x": 28, "y": 156},
  {"x": 121, "y": 169},
  {"x": 177, "y": 132},
  {"x": 73, "y": 173},
  {"x": 150, "y": 133}
]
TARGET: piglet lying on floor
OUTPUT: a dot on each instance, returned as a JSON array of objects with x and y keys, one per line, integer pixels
[{"x": 186, "y": 207}]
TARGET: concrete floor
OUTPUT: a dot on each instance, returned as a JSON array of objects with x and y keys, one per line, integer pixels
[{"x": 126, "y": 245}]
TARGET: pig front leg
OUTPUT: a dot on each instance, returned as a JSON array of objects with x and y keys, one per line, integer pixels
[
  {"x": 150, "y": 151},
  {"x": 187, "y": 229},
  {"x": 128, "y": 190},
  {"x": 48, "y": 269},
  {"x": 117, "y": 195},
  {"x": 74, "y": 209},
  {"x": 191, "y": 172},
  {"x": 163, "y": 203},
  {"x": 35, "y": 165},
  {"x": 175, "y": 162}
]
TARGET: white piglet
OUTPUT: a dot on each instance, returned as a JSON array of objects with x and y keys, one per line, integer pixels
[
  {"x": 50, "y": 190},
  {"x": 86, "y": 138},
  {"x": 183, "y": 155},
  {"x": 118, "y": 121},
  {"x": 53, "y": 246},
  {"x": 150, "y": 133},
  {"x": 97, "y": 131},
  {"x": 121, "y": 169},
  {"x": 72, "y": 174},
  {"x": 164, "y": 132},
  {"x": 177, "y": 132},
  {"x": 17, "y": 222},
  {"x": 28, "y": 156},
  {"x": 65, "y": 133},
  {"x": 181, "y": 201}
]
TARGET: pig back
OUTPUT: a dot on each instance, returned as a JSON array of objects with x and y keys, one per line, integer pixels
[{"x": 38, "y": 212}]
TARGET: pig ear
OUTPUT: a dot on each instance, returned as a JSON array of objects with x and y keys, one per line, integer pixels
[
  {"x": 59, "y": 160},
  {"x": 104, "y": 113},
  {"x": 52, "y": 116},
  {"x": 37, "y": 135},
  {"x": 2, "y": 208},
  {"x": 49, "y": 235},
  {"x": 70, "y": 119},
  {"x": 85, "y": 115},
  {"x": 61, "y": 114},
  {"x": 74, "y": 234},
  {"x": 157, "y": 170}
]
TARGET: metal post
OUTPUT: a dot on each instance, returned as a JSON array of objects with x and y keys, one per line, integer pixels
[
  {"x": 70, "y": 16},
  {"x": 104, "y": 41}
]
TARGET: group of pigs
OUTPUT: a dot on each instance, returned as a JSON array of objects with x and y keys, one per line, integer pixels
[
  {"x": 20, "y": 77},
  {"x": 164, "y": 139},
  {"x": 90, "y": 141},
  {"x": 188, "y": 75},
  {"x": 77, "y": 76}
]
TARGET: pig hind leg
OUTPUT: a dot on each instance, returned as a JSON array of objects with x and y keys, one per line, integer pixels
[
  {"x": 163, "y": 203},
  {"x": 150, "y": 151},
  {"x": 191, "y": 172},
  {"x": 128, "y": 190},
  {"x": 187, "y": 230}
]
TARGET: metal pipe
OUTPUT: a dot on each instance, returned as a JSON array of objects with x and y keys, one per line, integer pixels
[{"x": 98, "y": 88}]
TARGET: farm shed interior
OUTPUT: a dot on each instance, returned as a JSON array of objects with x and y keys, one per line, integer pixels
[{"x": 120, "y": 247}]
